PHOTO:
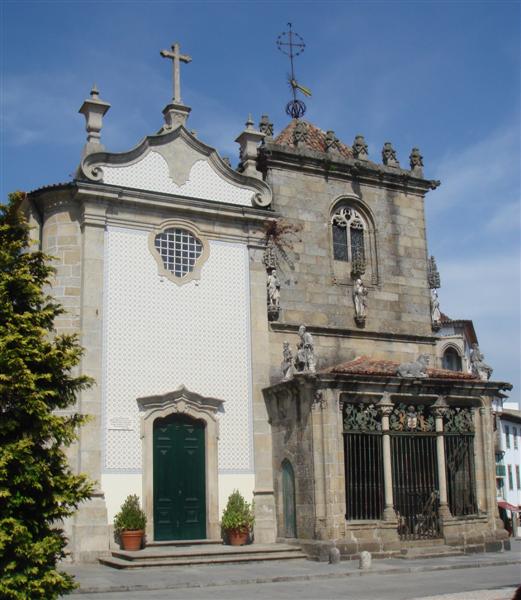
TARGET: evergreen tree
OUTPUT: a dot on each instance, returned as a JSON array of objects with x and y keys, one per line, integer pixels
[{"x": 37, "y": 487}]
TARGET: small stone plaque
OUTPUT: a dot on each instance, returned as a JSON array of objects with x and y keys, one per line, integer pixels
[{"x": 121, "y": 423}]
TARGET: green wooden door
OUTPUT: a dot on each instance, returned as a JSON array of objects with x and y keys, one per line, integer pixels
[
  {"x": 288, "y": 499},
  {"x": 179, "y": 479}
]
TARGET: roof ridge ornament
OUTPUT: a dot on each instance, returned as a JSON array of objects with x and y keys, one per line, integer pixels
[
  {"x": 293, "y": 47},
  {"x": 176, "y": 112}
]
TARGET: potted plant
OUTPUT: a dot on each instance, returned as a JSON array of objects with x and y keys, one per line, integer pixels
[
  {"x": 129, "y": 524},
  {"x": 237, "y": 519}
]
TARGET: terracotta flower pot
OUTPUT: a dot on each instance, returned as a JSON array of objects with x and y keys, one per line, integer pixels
[
  {"x": 238, "y": 537},
  {"x": 132, "y": 539}
]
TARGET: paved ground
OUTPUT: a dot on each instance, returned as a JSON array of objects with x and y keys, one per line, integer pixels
[{"x": 491, "y": 576}]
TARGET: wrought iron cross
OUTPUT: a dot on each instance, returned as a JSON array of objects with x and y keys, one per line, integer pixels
[
  {"x": 177, "y": 58},
  {"x": 292, "y": 48}
]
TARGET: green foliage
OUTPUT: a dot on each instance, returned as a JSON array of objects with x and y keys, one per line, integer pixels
[
  {"x": 130, "y": 516},
  {"x": 238, "y": 514},
  {"x": 37, "y": 487}
]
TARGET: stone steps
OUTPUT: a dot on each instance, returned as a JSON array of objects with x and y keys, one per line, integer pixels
[
  {"x": 431, "y": 551},
  {"x": 200, "y": 554}
]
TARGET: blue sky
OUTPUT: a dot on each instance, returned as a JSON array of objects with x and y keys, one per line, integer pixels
[{"x": 444, "y": 76}]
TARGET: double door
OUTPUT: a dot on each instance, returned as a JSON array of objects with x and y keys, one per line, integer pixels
[{"x": 179, "y": 479}]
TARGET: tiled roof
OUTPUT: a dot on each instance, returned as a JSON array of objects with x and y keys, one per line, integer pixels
[
  {"x": 316, "y": 139},
  {"x": 363, "y": 365}
]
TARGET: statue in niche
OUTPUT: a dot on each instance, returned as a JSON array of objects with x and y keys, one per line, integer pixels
[
  {"x": 418, "y": 368},
  {"x": 287, "y": 362},
  {"x": 435, "y": 310},
  {"x": 305, "y": 359},
  {"x": 360, "y": 301},
  {"x": 478, "y": 365},
  {"x": 273, "y": 288},
  {"x": 360, "y": 148},
  {"x": 389, "y": 155}
]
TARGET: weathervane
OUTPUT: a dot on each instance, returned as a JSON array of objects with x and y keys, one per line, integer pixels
[{"x": 292, "y": 44}]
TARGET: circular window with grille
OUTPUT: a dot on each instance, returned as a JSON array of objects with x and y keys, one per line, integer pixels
[{"x": 180, "y": 252}]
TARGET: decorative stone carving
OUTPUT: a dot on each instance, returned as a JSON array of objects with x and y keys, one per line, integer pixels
[
  {"x": 331, "y": 142},
  {"x": 319, "y": 400},
  {"x": 360, "y": 148},
  {"x": 418, "y": 368},
  {"x": 269, "y": 257},
  {"x": 286, "y": 366},
  {"x": 227, "y": 161},
  {"x": 459, "y": 420},
  {"x": 300, "y": 134},
  {"x": 435, "y": 310},
  {"x": 305, "y": 361},
  {"x": 411, "y": 418},
  {"x": 266, "y": 127},
  {"x": 478, "y": 365},
  {"x": 416, "y": 162},
  {"x": 360, "y": 302},
  {"x": 433, "y": 275},
  {"x": 361, "y": 417},
  {"x": 273, "y": 292},
  {"x": 389, "y": 155}
]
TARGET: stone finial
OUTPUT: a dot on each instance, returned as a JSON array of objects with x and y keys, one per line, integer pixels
[
  {"x": 360, "y": 148},
  {"x": 389, "y": 155},
  {"x": 227, "y": 161},
  {"x": 300, "y": 134},
  {"x": 305, "y": 361},
  {"x": 93, "y": 109},
  {"x": 266, "y": 127},
  {"x": 248, "y": 141},
  {"x": 334, "y": 556},
  {"x": 413, "y": 370},
  {"x": 365, "y": 560},
  {"x": 416, "y": 162},
  {"x": 478, "y": 365},
  {"x": 433, "y": 275},
  {"x": 331, "y": 142}
]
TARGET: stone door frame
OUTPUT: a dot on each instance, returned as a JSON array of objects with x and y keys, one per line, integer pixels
[{"x": 182, "y": 401}]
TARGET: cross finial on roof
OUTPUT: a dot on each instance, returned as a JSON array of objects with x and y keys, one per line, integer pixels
[{"x": 176, "y": 57}]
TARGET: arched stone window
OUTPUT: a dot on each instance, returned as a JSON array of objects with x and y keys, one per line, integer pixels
[
  {"x": 451, "y": 359},
  {"x": 353, "y": 242},
  {"x": 348, "y": 234}
]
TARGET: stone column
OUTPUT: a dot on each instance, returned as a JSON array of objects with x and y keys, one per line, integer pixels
[
  {"x": 385, "y": 406},
  {"x": 440, "y": 409},
  {"x": 489, "y": 462}
]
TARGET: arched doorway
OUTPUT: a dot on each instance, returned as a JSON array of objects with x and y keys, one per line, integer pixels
[
  {"x": 179, "y": 496},
  {"x": 288, "y": 500}
]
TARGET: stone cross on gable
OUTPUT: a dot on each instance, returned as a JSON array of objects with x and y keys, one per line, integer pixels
[{"x": 176, "y": 57}]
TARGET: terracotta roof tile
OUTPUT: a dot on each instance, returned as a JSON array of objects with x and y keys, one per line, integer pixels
[
  {"x": 363, "y": 365},
  {"x": 316, "y": 139}
]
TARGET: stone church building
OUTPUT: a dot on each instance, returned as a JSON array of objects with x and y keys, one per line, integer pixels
[{"x": 190, "y": 283}]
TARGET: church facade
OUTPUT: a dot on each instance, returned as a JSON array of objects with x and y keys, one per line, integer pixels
[{"x": 190, "y": 282}]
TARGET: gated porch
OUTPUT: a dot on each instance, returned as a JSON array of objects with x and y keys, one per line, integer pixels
[{"x": 366, "y": 460}]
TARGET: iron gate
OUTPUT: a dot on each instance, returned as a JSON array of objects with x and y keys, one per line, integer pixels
[
  {"x": 415, "y": 472},
  {"x": 363, "y": 462}
]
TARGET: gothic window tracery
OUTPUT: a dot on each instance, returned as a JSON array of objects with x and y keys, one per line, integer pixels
[{"x": 348, "y": 235}]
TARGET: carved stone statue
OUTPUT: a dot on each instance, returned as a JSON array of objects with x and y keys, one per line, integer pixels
[
  {"x": 418, "y": 368},
  {"x": 300, "y": 134},
  {"x": 331, "y": 142},
  {"x": 433, "y": 275},
  {"x": 266, "y": 127},
  {"x": 478, "y": 365},
  {"x": 360, "y": 148},
  {"x": 389, "y": 155},
  {"x": 435, "y": 310},
  {"x": 305, "y": 359},
  {"x": 416, "y": 162},
  {"x": 360, "y": 301},
  {"x": 273, "y": 288},
  {"x": 287, "y": 362}
]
